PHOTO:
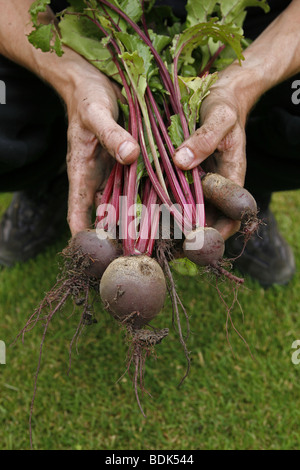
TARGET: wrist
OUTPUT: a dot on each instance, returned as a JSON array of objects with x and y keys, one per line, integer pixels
[
  {"x": 245, "y": 84},
  {"x": 64, "y": 73}
]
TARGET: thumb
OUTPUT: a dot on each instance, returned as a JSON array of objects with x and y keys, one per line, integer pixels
[
  {"x": 216, "y": 125},
  {"x": 115, "y": 139}
]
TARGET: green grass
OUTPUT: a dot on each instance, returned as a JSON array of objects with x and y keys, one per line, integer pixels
[{"x": 229, "y": 400}]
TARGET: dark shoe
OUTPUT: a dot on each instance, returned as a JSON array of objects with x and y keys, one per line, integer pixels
[
  {"x": 267, "y": 257},
  {"x": 33, "y": 221}
]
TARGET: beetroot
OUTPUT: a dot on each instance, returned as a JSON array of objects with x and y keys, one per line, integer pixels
[
  {"x": 133, "y": 289},
  {"x": 204, "y": 246},
  {"x": 233, "y": 200},
  {"x": 98, "y": 249},
  {"x": 160, "y": 101}
]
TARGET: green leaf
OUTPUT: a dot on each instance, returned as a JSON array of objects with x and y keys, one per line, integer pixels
[
  {"x": 184, "y": 44},
  {"x": 232, "y": 10},
  {"x": 228, "y": 11},
  {"x": 41, "y": 37},
  {"x": 38, "y": 6},
  {"x": 189, "y": 176},
  {"x": 155, "y": 84},
  {"x": 136, "y": 71},
  {"x": 81, "y": 35},
  {"x": 175, "y": 131},
  {"x": 140, "y": 169},
  {"x": 125, "y": 109},
  {"x": 184, "y": 267},
  {"x": 159, "y": 41},
  {"x": 131, "y": 8},
  {"x": 199, "y": 11},
  {"x": 58, "y": 46},
  {"x": 198, "y": 89},
  {"x": 134, "y": 45}
]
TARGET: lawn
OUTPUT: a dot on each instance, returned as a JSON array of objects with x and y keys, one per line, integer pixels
[{"x": 229, "y": 400}]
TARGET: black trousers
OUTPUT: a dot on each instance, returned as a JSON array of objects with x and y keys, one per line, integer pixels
[
  {"x": 273, "y": 141},
  {"x": 33, "y": 131}
]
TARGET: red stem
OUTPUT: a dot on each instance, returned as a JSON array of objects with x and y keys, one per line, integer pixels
[
  {"x": 200, "y": 212},
  {"x": 101, "y": 209},
  {"x": 183, "y": 223},
  {"x": 175, "y": 187},
  {"x": 211, "y": 61},
  {"x": 113, "y": 216},
  {"x": 146, "y": 228},
  {"x": 200, "y": 217},
  {"x": 163, "y": 70},
  {"x": 187, "y": 197},
  {"x": 155, "y": 216}
]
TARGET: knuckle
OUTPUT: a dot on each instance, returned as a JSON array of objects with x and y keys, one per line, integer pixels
[
  {"x": 206, "y": 141},
  {"x": 90, "y": 109},
  {"x": 110, "y": 137},
  {"x": 230, "y": 114}
]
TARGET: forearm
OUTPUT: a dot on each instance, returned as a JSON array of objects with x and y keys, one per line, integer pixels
[
  {"x": 62, "y": 73},
  {"x": 272, "y": 58}
]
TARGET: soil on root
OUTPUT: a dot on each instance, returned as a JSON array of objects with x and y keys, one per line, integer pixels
[
  {"x": 142, "y": 344},
  {"x": 250, "y": 225}
]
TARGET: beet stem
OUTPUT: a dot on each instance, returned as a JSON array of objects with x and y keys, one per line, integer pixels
[
  {"x": 163, "y": 70},
  {"x": 105, "y": 199},
  {"x": 185, "y": 224},
  {"x": 187, "y": 197}
]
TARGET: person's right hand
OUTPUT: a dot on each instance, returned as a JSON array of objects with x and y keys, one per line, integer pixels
[
  {"x": 91, "y": 101},
  {"x": 93, "y": 137}
]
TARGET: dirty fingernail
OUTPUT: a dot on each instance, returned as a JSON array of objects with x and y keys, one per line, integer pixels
[
  {"x": 184, "y": 157},
  {"x": 125, "y": 149}
]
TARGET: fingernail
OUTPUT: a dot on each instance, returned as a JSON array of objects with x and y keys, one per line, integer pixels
[
  {"x": 184, "y": 157},
  {"x": 125, "y": 149}
]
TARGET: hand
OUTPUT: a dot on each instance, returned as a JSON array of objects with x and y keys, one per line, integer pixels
[
  {"x": 219, "y": 145},
  {"x": 93, "y": 137},
  {"x": 91, "y": 101},
  {"x": 273, "y": 57}
]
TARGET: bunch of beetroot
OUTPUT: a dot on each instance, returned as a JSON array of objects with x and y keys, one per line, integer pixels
[
  {"x": 129, "y": 210},
  {"x": 126, "y": 256}
]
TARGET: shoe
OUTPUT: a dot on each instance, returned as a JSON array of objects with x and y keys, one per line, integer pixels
[
  {"x": 33, "y": 221},
  {"x": 267, "y": 257}
]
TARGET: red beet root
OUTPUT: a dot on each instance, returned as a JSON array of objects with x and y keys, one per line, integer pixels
[
  {"x": 133, "y": 289},
  {"x": 233, "y": 200},
  {"x": 204, "y": 246},
  {"x": 98, "y": 248}
]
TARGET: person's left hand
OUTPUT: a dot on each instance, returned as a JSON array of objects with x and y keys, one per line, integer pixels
[
  {"x": 94, "y": 137},
  {"x": 219, "y": 146}
]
